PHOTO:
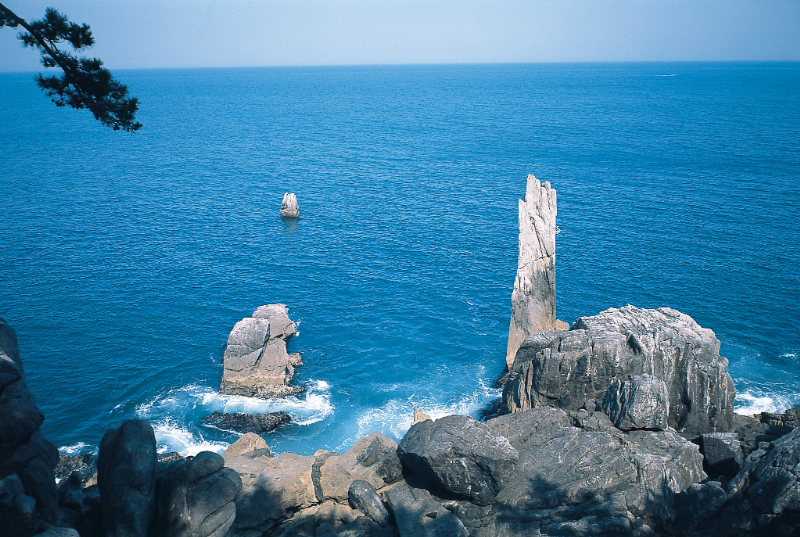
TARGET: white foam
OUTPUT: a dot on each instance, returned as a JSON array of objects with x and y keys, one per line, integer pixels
[
  {"x": 77, "y": 449},
  {"x": 749, "y": 403},
  {"x": 173, "y": 437},
  {"x": 789, "y": 355}
]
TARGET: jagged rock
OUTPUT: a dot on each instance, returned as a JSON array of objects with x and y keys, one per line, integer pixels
[
  {"x": 248, "y": 443},
  {"x": 790, "y": 418},
  {"x": 126, "y": 466},
  {"x": 458, "y": 456},
  {"x": 419, "y": 416},
  {"x": 639, "y": 403},
  {"x": 565, "y": 368},
  {"x": 195, "y": 497},
  {"x": 255, "y": 363},
  {"x": 289, "y": 207},
  {"x": 363, "y": 497},
  {"x": 23, "y": 449},
  {"x": 248, "y": 423},
  {"x": 67, "y": 464},
  {"x": 533, "y": 301},
  {"x": 752, "y": 435},
  {"x": 696, "y": 504},
  {"x": 722, "y": 453},
  {"x": 418, "y": 515},
  {"x": 372, "y": 459},
  {"x": 333, "y": 520}
]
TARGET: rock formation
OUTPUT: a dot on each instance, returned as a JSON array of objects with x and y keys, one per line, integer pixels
[
  {"x": 255, "y": 362},
  {"x": 248, "y": 423},
  {"x": 24, "y": 452},
  {"x": 565, "y": 368},
  {"x": 289, "y": 207},
  {"x": 533, "y": 301},
  {"x": 639, "y": 403}
]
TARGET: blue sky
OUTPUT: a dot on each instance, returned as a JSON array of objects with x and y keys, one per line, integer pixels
[{"x": 215, "y": 33}]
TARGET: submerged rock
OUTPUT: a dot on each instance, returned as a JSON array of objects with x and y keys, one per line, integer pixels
[
  {"x": 533, "y": 301},
  {"x": 567, "y": 368},
  {"x": 248, "y": 423},
  {"x": 289, "y": 206},
  {"x": 255, "y": 363}
]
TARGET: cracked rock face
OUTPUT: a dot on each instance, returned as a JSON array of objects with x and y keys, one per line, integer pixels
[
  {"x": 565, "y": 368},
  {"x": 533, "y": 301},
  {"x": 255, "y": 362}
]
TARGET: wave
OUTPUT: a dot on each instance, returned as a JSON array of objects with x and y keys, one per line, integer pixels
[
  {"x": 78, "y": 448},
  {"x": 752, "y": 402}
]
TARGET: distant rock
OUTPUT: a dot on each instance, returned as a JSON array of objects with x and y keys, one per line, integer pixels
[
  {"x": 255, "y": 363},
  {"x": 458, "y": 456},
  {"x": 567, "y": 368},
  {"x": 639, "y": 403},
  {"x": 419, "y": 416},
  {"x": 533, "y": 301},
  {"x": 126, "y": 465},
  {"x": 248, "y": 423},
  {"x": 289, "y": 207},
  {"x": 248, "y": 443}
]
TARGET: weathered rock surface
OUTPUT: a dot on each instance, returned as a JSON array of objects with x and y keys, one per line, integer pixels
[
  {"x": 752, "y": 435},
  {"x": 363, "y": 497},
  {"x": 23, "y": 449},
  {"x": 762, "y": 499},
  {"x": 255, "y": 363},
  {"x": 418, "y": 515},
  {"x": 83, "y": 464},
  {"x": 533, "y": 301},
  {"x": 722, "y": 453},
  {"x": 195, "y": 497},
  {"x": 419, "y": 416},
  {"x": 639, "y": 403},
  {"x": 126, "y": 466},
  {"x": 248, "y": 423},
  {"x": 289, "y": 206},
  {"x": 458, "y": 456},
  {"x": 247, "y": 444},
  {"x": 566, "y": 368},
  {"x": 790, "y": 418}
]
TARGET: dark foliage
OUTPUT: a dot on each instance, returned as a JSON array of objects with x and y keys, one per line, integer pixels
[{"x": 85, "y": 83}]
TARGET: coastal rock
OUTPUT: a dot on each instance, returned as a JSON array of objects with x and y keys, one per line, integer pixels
[
  {"x": 458, "y": 456},
  {"x": 790, "y": 418},
  {"x": 639, "y": 403},
  {"x": 533, "y": 301},
  {"x": 249, "y": 443},
  {"x": 363, "y": 497},
  {"x": 567, "y": 368},
  {"x": 23, "y": 450},
  {"x": 195, "y": 497},
  {"x": 289, "y": 206},
  {"x": 126, "y": 466},
  {"x": 419, "y": 416},
  {"x": 752, "y": 435},
  {"x": 418, "y": 515},
  {"x": 255, "y": 363},
  {"x": 67, "y": 464},
  {"x": 248, "y": 423},
  {"x": 722, "y": 453}
]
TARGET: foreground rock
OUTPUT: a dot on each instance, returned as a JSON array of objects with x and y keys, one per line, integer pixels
[
  {"x": 533, "y": 301},
  {"x": 24, "y": 452},
  {"x": 566, "y": 368},
  {"x": 418, "y": 515},
  {"x": 248, "y": 423},
  {"x": 639, "y": 403},
  {"x": 255, "y": 362},
  {"x": 289, "y": 206},
  {"x": 126, "y": 465},
  {"x": 458, "y": 456}
]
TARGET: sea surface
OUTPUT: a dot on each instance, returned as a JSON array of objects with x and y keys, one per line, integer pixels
[{"x": 126, "y": 259}]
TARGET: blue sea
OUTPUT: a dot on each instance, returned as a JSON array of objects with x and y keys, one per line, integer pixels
[{"x": 126, "y": 259}]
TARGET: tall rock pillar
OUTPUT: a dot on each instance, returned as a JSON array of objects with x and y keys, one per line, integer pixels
[{"x": 533, "y": 302}]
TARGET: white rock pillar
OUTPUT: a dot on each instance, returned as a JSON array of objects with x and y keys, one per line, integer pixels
[
  {"x": 533, "y": 302},
  {"x": 289, "y": 207}
]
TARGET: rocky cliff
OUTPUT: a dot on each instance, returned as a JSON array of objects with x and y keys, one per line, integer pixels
[{"x": 533, "y": 301}]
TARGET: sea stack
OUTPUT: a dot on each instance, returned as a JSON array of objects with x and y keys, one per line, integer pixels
[
  {"x": 255, "y": 363},
  {"x": 289, "y": 207},
  {"x": 533, "y": 302}
]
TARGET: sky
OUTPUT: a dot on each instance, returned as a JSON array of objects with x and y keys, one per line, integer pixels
[{"x": 234, "y": 33}]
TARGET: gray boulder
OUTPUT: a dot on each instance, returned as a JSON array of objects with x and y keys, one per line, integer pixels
[
  {"x": 418, "y": 515},
  {"x": 722, "y": 453},
  {"x": 255, "y": 363},
  {"x": 566, "y": 368},
  {"x": 639, "y": 403},
  {"x": 248, "y": 423},
  {"x": 458, "y": 456},
  {"x": 195, "y": 497},
  {"x": 533, "y": 301},
  {"x": 289, "y": 206},
  {"x": 363, "y": 497},
  {"x": 126, "y": 466}
]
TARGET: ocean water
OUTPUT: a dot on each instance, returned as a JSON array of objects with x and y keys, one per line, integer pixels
[{"x": 125, "y": 260}]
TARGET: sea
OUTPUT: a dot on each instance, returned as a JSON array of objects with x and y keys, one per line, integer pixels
[{"x": 126, "y": 259}]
